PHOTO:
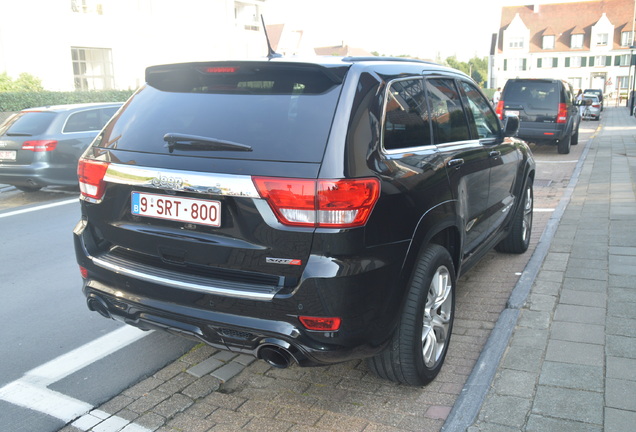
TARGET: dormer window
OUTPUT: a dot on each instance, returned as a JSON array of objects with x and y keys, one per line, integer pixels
[
  {"x": 627, "y": 37},
  {"x": 576, "y": 41},
  {"x": 601, "y": 39},
  {"x": 548, "y": 42}
]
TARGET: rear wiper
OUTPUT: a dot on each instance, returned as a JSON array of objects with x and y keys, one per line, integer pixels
[{"x": 193, "y": 142}]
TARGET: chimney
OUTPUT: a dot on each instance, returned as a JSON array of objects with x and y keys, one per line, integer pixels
[{"x": 535, "y": 8}]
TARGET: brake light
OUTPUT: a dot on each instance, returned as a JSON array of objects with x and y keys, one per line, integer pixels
[
  {"x": 218, "y": 69},
  {"x": 83, "y": 272},
  {"x": 596, "y": 105},
  {"x": 562, "y": 116},
  {"x": 500, "y": 109},
  {"x": 320, "y": 323},
  {"x": 39, "y": 145},
  {"x": 90, "y": 174},
  {"x": 320, "y": 203}
]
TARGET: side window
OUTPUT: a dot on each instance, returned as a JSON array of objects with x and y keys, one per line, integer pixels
[
  {"x": 406, "y": 122},
  {"x": 485, "y": 122},
  {"x": 447, "y": 114},
  {"x": 83, "y": 121}
]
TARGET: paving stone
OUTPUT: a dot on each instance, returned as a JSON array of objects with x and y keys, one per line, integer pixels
[
  {"x": 202, "y": 387},
  {"x": 577, "y": 332},
  {"x": 205, "y": 367},
  {"x": 576, "y": 405},
  {"x": 580, "y": 314},
  {"x": 575, "y": 352},
  {"x": 515, "y": 383},
  {"x": 619, "y": 420},
  {"x": 176, "y": 403},
  {"x": 620, "y": 346},
  {"x": 111, "y": 424},
  {"x": 573, "y": 376},
  {"x": 620, "y": 394},
  {"x": 621, "y": 368},
  {"x": 228, "y": 371},
  {"x": 583, "y": 298},
  {"x": 538, "y": 423},
  {"x": 505, "y": 410},
  {"x": 620, "y": 326}
]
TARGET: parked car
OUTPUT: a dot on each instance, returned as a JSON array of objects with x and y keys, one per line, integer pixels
[
  {"x": 301, "y": 212},
  {"x": 597, "y": 92},
  {"x": 546, "y": 109},
  {"x": 591, "y": 107},
  {"x": 41, "y": 146}
]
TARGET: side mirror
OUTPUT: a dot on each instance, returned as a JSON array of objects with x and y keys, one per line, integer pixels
[{"x": 511, "y": 126}]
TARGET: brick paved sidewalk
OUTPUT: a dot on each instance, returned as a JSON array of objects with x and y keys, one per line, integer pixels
[{"x": 571, "y": 363}]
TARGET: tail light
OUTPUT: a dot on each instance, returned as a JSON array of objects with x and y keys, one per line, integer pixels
[
  {"x": 39, "y": 145},
  {"x": 562, "y": 116},
  {"x": 596, "y": 105},
  {"x": 83, "y": 272},
  {"x": 500, "y": 109},
  {"x": 320, "y": 203},
  {"x": 90, "y": 174},
  {"x": 320, "y": 323}
]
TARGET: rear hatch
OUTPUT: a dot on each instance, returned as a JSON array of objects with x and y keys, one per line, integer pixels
[
  {"x": 187, "y": 161},
  {"x": 19, "y": 137},
  {"x": 533, "y": 101}
]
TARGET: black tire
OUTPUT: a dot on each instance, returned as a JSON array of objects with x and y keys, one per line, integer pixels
[
  {"x": 418, "y": 348},
  {"x": 29, "y": 188},
  {"x": 575, "y": 136},
  {"x": 563, "y": 145},
  {"x": 518, "y": 239}
]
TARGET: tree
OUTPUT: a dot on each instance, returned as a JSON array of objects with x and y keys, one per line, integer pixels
[
  {"x": 24, "y": 83},
  {"x": 476, "y": 67}
]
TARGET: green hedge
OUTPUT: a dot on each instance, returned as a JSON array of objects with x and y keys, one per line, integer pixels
[{"x": 17, "y": 101}]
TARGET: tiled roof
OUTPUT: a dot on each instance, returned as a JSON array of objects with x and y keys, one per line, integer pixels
[{"x": 565, "y": 19}]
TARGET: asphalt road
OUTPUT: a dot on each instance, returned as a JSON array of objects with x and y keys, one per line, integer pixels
[{"x": 44, "y": 317}]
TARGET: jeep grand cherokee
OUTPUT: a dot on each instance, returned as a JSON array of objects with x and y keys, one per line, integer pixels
[{"x": 302, "y": 212}]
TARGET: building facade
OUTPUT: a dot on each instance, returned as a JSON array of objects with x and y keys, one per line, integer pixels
[
  {"x": 107, "y": 44},
  {"x": 588, "y": 43}
]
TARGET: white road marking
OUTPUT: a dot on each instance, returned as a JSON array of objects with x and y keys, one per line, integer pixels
[
  {"x": 543, "y": 210},
  {"x": 42, "y": 207},
  {"x": 31, "y": 390}
]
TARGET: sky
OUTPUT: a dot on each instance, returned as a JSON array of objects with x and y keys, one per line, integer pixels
[{"x": 427, "y": 29}]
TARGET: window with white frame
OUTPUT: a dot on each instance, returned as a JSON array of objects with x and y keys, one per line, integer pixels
[
  {"x": 602, "y": 61},
  {"x": 622, "y": 60},
  {"x": 547, "y": 62},
  {"x": 247, "y": 15},
  {"x": 627, "y": 37},
  {"x": 601, "y": 38},
  {"x": 516, "y": 42},
  {"x": 515, "y": 64},
  {"x": 548, "y": 42},
  {"x": 576, "y": 61},
  {"x": 576, "y": 82},
  {"x": 92, "y": 68},
  {"x": 622, "y": 81},
  {"x": 576, "y": 41}
]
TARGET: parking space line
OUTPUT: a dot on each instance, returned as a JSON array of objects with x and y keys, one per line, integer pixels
[{"x": 41, "y": 207}]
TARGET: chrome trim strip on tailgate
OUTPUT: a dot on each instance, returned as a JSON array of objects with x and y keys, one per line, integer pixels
[
  {"x": 185, "y": 282},
  {"x": 178, "y": 180}
]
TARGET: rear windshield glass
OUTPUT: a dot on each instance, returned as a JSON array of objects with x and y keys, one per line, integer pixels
[
  {"x": 281, "y": 113},
  {"x": 27, "y": 124},
  {"x": 533, "y": 94}
]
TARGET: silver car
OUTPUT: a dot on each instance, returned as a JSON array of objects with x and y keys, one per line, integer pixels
[
  {"x": 40, "y": 146},
  {"x": 591, "y": 107}
]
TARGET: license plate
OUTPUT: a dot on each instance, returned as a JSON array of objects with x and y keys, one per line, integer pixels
[
  {"x": 512, "y": 113},
  {"x": 8, "y": 155},
  {"x": 180, "y": 209}
]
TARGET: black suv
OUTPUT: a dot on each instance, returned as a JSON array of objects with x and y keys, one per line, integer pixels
[
  {"x": 546, "y": 109},
  {"x": 302, "y": 212}
]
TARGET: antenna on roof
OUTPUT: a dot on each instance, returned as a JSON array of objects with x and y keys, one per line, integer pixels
[{"x": 270, "y": 52}]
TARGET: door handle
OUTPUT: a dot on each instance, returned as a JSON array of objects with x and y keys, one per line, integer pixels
[
  {"x": 494, "y": 153},
  {"x": 456, "y": 163}
]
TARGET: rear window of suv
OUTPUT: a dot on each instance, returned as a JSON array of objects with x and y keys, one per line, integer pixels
[
  {"x": 536, "y": 94},
  {"x": 282, "y": 112}
]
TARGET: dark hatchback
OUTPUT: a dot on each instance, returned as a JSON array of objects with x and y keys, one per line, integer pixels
[
  {"x": 302, "y": 212},
  {"x": 40, "y": 146}
]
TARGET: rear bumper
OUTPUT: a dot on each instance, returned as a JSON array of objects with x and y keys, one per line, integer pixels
[
  {"x": 40, "y": 174},
  {"x": 545, "y": 133},
  {"x": 365, "y": 297}
]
